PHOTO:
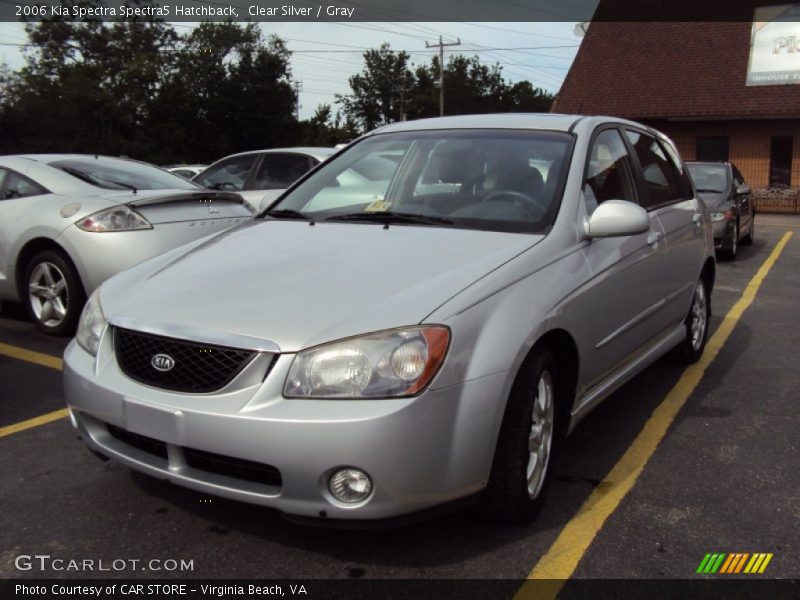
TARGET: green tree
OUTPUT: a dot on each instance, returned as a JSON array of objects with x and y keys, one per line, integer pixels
[
  {"x": 229, "y": 91},
  {"x": 377, "y": 90},
  {"x": 85, "y": 86},
  {"x": 523, "y": 97},
  {"x": 471, "y": 87},
  {"x": 140, "y": 89},
  {"x": 327, "y": 129}
]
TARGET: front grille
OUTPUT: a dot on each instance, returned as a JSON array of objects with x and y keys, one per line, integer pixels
[
  {"x": 198, "y": 368},
  {"x": 238, "y": 468},
  {"x": 138, "y": 441}
]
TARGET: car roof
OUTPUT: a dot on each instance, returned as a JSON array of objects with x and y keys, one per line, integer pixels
[
  {"x": 48, "y": 158},
  {"x": 547, "y": 121},
  {"x": 320, "y": 153},
  {"x": 532, "y": 121}
]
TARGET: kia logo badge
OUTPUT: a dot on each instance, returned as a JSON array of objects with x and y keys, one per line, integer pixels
[{"x": 162, "y": 362}]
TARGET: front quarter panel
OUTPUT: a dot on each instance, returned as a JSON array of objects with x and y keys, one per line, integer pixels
[{"x": 492, "y": 337}]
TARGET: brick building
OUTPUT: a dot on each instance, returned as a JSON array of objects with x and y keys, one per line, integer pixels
[{"x": 690, "y": 80}]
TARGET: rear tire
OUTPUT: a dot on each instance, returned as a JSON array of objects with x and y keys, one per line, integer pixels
[
  {"x": 520, "y": 470},
  {"x": 52, "y": 293},
  {"x": 691, "y": 348}
]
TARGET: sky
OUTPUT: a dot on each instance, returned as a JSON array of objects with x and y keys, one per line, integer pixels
[{"x": 326, "y": 54}]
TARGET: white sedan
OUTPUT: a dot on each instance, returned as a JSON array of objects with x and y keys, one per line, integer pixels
[{"x": 260, "y": 176}]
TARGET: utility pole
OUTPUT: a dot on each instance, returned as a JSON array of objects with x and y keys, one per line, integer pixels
[
  {"x": 402, "y": 91},
  {"x": 441, "y": 46},
  {"x": 298, "y": 87}
]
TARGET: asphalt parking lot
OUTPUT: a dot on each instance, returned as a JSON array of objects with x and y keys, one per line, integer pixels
[{"x": 723, "y": 479}]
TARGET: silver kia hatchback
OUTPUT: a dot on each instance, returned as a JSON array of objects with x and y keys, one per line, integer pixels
[{"x": 418, "y": 343}]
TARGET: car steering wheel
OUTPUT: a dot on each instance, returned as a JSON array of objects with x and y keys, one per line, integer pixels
[{"x": 518, "y": 198}]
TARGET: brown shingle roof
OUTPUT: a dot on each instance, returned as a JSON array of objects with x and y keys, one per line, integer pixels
[{"x": 663, "y": 70}]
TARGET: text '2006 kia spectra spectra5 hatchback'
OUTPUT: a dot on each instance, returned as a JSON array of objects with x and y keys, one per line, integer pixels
[{"x": 411, "y": 347}]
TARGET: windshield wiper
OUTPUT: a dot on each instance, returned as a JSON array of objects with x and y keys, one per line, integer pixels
[
  {"x": 387, "y": 217},
  {"x": 709, "y": 191},
  {"x": 286, "y": 213}
]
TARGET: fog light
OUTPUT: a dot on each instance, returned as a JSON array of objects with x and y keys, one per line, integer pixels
[{"x": 350, "y": 485}]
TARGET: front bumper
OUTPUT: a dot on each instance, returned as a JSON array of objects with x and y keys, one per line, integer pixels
[{"x": 419, "y": 452}]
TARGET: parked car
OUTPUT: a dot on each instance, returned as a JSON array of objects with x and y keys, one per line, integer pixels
[
  {"x": 421, "y": 348},
  {"x": 70, "y": 221},
  {"x": 260, "y": 176},
  {"x": 186, "y": 171},
  {"x": 730, "y": 200}
]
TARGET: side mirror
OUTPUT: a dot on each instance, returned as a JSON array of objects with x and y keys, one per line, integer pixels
[
  {"x": 616, "y": 218},
  {"x": 743, "y": 190}
]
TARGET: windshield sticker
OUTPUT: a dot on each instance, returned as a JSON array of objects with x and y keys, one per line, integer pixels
[{"x": 377, "y": 206}]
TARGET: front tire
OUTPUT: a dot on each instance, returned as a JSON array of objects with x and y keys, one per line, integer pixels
[
  {"x": 520, "y": 470},
  {"x": 53, "y": 293},
  {"x": 731, "y": 252},
  {"x": 748, "y": 239},
  {"x": 691, "y": 348}
]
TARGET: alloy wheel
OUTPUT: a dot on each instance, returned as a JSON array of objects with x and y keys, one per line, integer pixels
[
  {"x": 699, "y": 316},
  {"x": 48, "y": 294},
  {"x": 540, "y": 438}
]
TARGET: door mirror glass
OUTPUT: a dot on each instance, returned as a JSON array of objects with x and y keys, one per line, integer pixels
[
  {"x": 614, "y": 218},
  {"x": 743, "y": 190}
]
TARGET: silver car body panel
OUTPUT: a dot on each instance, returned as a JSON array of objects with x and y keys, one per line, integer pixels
[{"x": 620, "y": 301}]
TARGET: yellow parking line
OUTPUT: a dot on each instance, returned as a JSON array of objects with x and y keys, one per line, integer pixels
[
  {"x": 37, "y": 358},
  {"x": 560, "y": 561},
  {"x": 35, "y": 422},
  {"x": 45, "y": 360}
]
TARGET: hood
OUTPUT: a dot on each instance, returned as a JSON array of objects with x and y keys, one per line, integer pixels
[{"x": 299, "y": 285}]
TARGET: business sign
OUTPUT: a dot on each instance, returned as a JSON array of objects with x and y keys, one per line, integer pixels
[{"x": 775, "y": 46}]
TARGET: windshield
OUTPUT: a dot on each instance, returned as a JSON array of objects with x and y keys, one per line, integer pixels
[
  {"x": 123, "y": 175},
  {"x": 709, "y": 178},
  {"x": 501, "y": 180}
]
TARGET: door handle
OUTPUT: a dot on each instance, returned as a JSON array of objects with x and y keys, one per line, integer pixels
[{"x": 653, "y": 238}]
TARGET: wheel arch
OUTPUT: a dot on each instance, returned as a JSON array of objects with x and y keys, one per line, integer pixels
[
  {"x": 31, "y": 249},
  {"x": 565, "y": 351},
  {"x": 709, "y": 273}
]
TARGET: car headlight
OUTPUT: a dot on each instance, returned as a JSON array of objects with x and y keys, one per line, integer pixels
[
  {"x": 388, "y": 364},
  {"x": 722, "y": 216},
  {"x": 116, "y": 218},
  {"x": 91, "y": 324}
]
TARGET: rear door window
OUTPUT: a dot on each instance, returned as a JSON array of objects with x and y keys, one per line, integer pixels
[
  {"x": 279, "y": 171},
  {"x": 229, "y": 175},
  {"x": 14, "y": 185}
]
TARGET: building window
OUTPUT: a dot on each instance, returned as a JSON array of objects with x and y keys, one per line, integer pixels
[
  {"x": 780, "y": 160},
  {"x": 712, "y": 149}
]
